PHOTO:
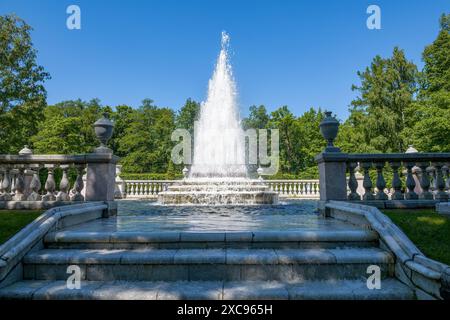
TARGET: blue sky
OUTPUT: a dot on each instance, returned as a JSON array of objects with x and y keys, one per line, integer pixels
[{"x": 295, "y": 53}]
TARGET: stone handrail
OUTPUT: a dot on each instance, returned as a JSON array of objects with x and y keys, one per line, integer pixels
[
  {"x": 429, "y": 279},
  {"x": 20, "y": 185},
  {"x": 149, "y": 189},
  {"x": 427, "y": 176}
]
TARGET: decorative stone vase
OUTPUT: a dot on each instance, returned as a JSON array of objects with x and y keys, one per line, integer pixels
[
  {"x": 329, "y": 128},
  {"x": 185, "y": 172},
  {"x": 103, "y": 130}
]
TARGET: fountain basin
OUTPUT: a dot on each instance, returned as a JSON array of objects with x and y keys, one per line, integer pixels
[{"x": 218, "y": 192}]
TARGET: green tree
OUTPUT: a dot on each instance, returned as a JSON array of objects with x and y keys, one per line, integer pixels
[
  {"x": 187, "y": 115},
  {"x": 431, "y": 130},
  {"x": 22, "y": 94},
  {"x": 257, "y": 119},
  {"x": 146, "y": 141},
  {"x": 382, "y": 113},
  {"x": 67, "y": 127}
]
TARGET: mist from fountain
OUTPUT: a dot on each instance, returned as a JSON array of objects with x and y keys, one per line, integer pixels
[
  {"x": 218, "y": 175},
  {"x": 219, "y": 142}
]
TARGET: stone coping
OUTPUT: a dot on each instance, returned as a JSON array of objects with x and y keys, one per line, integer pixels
[
  {"x": 346, "y": 235},
  {"x": 30, "y": 237},
  {"x": 210, "y": 290},
  {"x": 59, "y": 159},
  {"x": 35, "y": 205},
  {"x": 429, "y": 278},
  {"x": 443, "y": 208},
  {"x": 228, "y": 256},
  {"x": 382, "y": 157}
]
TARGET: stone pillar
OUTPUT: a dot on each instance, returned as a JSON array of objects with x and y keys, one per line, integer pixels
[
  {"x": 332, "y": 176},
  {"x": 100, "y": 181}
]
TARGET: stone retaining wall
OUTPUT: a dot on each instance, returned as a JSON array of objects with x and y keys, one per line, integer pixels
[{"x": 428, "y": 278}]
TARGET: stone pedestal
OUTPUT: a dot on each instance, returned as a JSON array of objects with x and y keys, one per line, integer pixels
[
  {"x": 332, "y": 169},
  {"x": 100, "y": 182}
]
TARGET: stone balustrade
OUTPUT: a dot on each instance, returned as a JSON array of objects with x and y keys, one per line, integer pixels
[
  {"x": 426, "y": 176},
  {"x": 305, "y": 189},
  {"x": 145, "y": 189},
  {"x": 149, "y": 189},
  {"x": 20, "y": 182}
]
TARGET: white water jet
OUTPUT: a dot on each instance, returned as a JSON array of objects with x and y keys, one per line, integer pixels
[
  {"x": 219, "y": 145},
  {"x": 218, "y": 175}
]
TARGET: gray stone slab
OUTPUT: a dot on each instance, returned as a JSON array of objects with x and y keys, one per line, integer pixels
[
  {"x": 253, "y": 256},
  {"x": 199, "y": 256},
  {"x": 55, "y": 272},
  {"x": 58, "y": 290},
  {"x": 170, "y": 273},
  {"x": 190, "y": 290},
  {"x": 255, "y": 290},
  {"x": 110, "y": 272},
  {"x": 238, "y": 236},
  {"x": 143, "y": 237},
  {"x": 148, "y": 256},
  {"x": 287, "y": 256},
  {"x": 78, "y": 237},
  {"x": 202, "y": 236},
  {"x": 362, "y": 255},
  {"x": 22, "y": 290},
  {"x": 74, "y": 256},
  {"x": 127, "y": 290}
]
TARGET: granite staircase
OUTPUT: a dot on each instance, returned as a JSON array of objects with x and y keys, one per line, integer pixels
[{"x": 304, "y": 264}]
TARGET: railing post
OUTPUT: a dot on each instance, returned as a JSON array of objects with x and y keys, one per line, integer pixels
[{"x": 332, "y": 176}]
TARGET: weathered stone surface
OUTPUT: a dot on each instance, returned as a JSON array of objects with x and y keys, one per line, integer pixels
[
  {"x": 257, "y": 256},
  {"x": 263, "y": 290}
]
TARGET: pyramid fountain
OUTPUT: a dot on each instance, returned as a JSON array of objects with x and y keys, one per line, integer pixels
[{"x": 218, "y": 174}]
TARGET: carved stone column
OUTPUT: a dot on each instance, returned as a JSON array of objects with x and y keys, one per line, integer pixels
[{"x": 64, "y": 186}]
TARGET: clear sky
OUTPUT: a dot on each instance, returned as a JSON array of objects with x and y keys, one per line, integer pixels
[{"x": 295, "y": 53}]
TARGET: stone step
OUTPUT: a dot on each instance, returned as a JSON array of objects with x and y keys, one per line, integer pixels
[
  {"x": 208, "y": 264},
  {"x": 301, "y": 239},
  {"x": 391, "y": 289}
]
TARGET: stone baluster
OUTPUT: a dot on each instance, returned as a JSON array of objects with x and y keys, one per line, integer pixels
[
  {"x": 13, "y": 182},
  {"x": 367, "y": 183},
  {"x": 381, "y": 183},
  {"x": 396, "y": 182},
  {"x": 410, "y": 183},
  {"x": 20, "y": 185},
  {"x": 424, "y": 182},
  {"x": 64, "y": 186},
  {"x": 352, "y": 183},
  {"x": 78, "y": 185},
  {"x": 6, "y": 185},
  {"x": 447, "y": 177},
  {"x": 50, "y": 184},
  {"x": 440, "y": 195},
  {"x": 432, "y": 177},
  {"x": 35, "y": 186}
]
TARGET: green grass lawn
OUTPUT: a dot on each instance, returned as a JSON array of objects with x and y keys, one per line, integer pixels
[
  {"x": 11, "y": 221},
  {"x": 429, "y": 231}
]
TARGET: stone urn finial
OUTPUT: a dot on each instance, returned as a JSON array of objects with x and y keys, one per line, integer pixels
[
  {"x": 185, "y": 172},
  {"x": 260, "y": 171},
  {"x": 25, "y": 151},
  {"x": 103, "y": 130},
  {"x": 329, "y": 128}
]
